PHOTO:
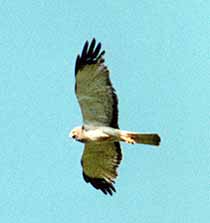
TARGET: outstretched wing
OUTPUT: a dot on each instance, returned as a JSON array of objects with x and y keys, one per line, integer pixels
[
  {"x": 96, "y": 96},
  {"x": 100, "y": 162}
]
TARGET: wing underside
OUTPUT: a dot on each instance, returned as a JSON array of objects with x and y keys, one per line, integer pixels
[
  {"x": 95, "y": 93},
  {"x": 100, "y": 163}
]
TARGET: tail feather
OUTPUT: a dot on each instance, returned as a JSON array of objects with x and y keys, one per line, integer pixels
[{"x": 150, "y": 139}]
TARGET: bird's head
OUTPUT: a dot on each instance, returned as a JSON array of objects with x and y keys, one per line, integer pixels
[{"x": 76, "y": 133}]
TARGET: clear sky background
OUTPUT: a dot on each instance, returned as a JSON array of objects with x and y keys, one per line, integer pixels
[{"x": 158, "y": 55}]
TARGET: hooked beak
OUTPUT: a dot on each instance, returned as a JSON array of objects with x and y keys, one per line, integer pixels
[{"x": 72, "y": 135}]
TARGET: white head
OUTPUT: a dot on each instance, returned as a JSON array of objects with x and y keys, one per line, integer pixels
[{"x": 76, "y": 133}]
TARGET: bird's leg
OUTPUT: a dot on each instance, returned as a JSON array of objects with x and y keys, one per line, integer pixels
[
  {"x": 127, "y": 138},
  {"x": 105, "y": 138}
]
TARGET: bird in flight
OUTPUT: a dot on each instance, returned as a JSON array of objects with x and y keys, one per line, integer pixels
[{"x": 100, "y": 131}]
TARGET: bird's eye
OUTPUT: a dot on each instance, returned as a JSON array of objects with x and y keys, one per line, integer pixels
[{"x": 74, "y": 136}]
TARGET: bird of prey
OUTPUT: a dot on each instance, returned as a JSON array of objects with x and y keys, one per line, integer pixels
[{"x": 100, "y": 131}]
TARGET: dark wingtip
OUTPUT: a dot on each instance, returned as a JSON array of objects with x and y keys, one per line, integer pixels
[
  {"x": 84, "y": 51},
  {"x": 77, "y": 63},
  {"x": 100, "y": 184},
  {"x": 91, "y": 48},
  {"x": 97, "y": 50},
  {"x": 89, "y": 55}
]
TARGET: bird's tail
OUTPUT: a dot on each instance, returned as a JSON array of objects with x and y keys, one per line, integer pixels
[{"x": 135, "y": 137}]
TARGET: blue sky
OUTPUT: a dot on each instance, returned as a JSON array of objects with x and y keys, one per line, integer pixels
[{"x": 158, "y": 55}]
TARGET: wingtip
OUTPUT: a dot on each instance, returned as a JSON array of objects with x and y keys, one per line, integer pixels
[
  {"x": 85, "y": 48},
  {"x": 90, "y": 54},
  {"x": 77, "y": 63},
  {"x": 93, "y": 39}
]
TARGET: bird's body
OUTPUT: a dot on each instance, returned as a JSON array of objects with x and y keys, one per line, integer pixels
[
  {"x": 99, "y": 134},
  {"x": 95, "y": 134},
  {"x": 100, "y": 131}
]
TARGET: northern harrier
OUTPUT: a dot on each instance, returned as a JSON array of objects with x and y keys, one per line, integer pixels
[{"x": 100, "y": 130}]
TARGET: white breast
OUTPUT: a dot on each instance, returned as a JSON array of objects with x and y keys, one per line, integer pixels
[{"x": 95, "y": 135}]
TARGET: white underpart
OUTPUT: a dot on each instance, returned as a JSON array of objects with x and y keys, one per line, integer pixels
[{"x": 95, "y": 134}]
